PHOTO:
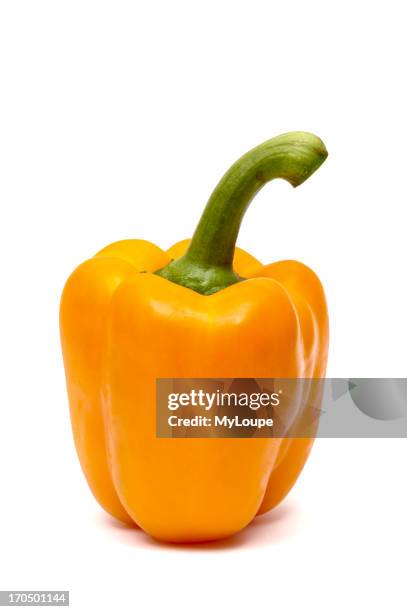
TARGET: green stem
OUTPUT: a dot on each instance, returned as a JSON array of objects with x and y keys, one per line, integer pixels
[{"x": 207, "y": 266}]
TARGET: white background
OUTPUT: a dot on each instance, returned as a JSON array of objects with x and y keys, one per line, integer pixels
[{"x": 116, "y": 121}]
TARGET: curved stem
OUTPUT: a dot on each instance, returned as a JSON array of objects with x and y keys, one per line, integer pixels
[{"x": 207, "y": 265}]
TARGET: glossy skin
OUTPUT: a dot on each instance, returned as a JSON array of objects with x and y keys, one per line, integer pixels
[{"x": 123, "y": 327}]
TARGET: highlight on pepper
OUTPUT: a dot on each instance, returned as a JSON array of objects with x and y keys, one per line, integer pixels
[{"x": 205, "y": 308}]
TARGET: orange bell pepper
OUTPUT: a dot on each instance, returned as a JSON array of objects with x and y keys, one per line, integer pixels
[{"x": 134, "y": 313}]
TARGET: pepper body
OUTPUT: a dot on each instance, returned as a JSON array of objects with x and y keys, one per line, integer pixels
[{"x": 123, "y": 325}]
